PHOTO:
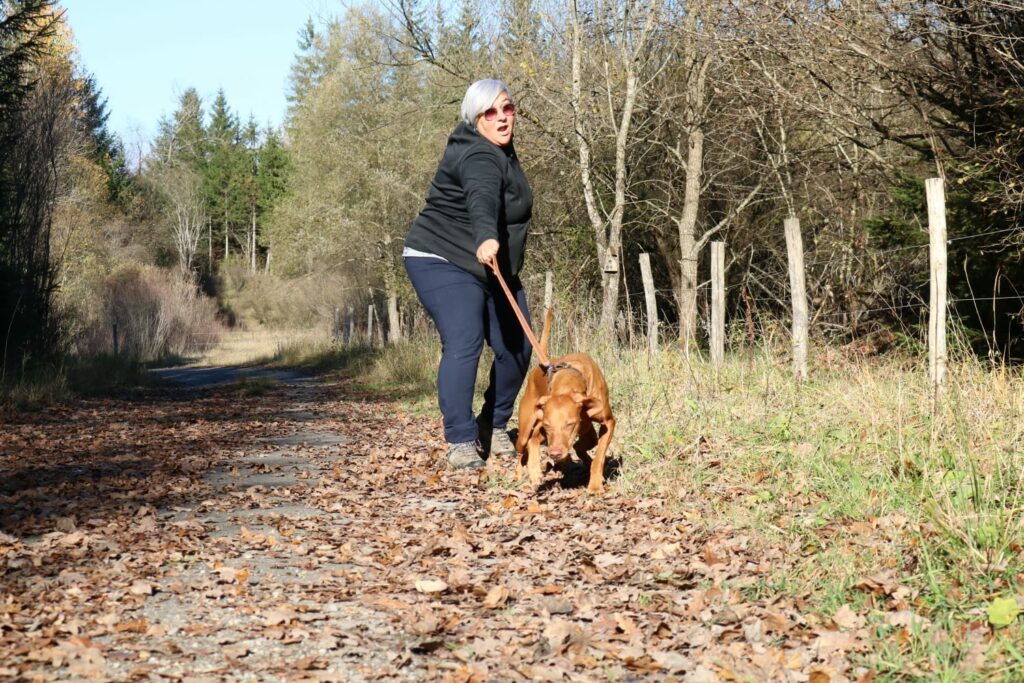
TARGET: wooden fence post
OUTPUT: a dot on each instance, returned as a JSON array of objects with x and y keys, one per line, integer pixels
[
  {"x": 394, "y": 320},
  {"x": 717, "y": 303},
  {"x": 649, "y": 302},
  {"x": 935, "y": 193},
  {"x": 350, "y": 337},
  {"x": 369, "y": 325},
  {"x": 549, "y": 290},
  {"x": 336, "y": 332},
  {"x": 798, "y": 292}
]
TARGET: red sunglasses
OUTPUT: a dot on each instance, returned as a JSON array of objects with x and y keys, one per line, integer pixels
[{"x": 508, "y": 109}]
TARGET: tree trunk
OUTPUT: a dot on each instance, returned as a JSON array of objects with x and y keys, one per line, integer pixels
[
  {"x": 252, "y": 243},
  {"x": 610, "y": 301},
  {"x": 689, "y": 250}
]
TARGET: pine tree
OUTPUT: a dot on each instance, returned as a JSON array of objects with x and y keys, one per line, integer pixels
[
  {"x": 224, "y": 175},
  {"x": 308, "y": 67},
  {"x": 274, "y": 166},
  {"x": 106, "y": 148},
  {"x": 181, "y": 138}
]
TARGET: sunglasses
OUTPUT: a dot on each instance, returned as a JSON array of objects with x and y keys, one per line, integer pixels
[{"x": 508, "y": 109}]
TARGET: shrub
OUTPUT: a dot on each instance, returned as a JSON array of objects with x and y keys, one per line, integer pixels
[
  {"x": 301, "y": 303},
  {"x": 158, "y": 315}
]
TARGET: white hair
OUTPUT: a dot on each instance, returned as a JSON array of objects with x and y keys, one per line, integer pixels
[{"x": 480, "y": 96}]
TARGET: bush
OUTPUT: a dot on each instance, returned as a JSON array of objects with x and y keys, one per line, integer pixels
[
  {"x": 158, "y": 315},
  {"x": 301, "y": 303}
]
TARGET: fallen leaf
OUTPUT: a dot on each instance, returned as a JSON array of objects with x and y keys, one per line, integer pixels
[
  {"x": 846, "y": 618},
  {"x": 431, "y": 586},
  {"x": 1002, "y": 611},
  {"x": 134, "y": 626},
  {"x": 235, "y": 651},
  {"x": 278, "y": 615},
  {"x": 496, "y": 597}
]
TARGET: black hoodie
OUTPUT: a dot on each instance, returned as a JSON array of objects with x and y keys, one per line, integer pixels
[{"x": 478, "y": 193}]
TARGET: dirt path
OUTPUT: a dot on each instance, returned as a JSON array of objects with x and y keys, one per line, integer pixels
[
  {"x": 312, "y": 533},
  {"x": 193, "y": 377}
]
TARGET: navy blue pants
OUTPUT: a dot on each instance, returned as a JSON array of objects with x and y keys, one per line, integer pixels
[{"x": 468, "y": 312}]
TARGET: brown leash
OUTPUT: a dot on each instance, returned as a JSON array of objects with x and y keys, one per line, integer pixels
[{"x": 543, "y": 357}]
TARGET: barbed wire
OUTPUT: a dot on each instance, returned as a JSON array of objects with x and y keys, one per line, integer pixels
[
  {"x": 983, "y": 234},
  {"x": 909, "y": 247}
]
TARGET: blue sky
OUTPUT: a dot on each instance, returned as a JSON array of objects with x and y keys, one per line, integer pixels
[{"x": 145, "y": 53}]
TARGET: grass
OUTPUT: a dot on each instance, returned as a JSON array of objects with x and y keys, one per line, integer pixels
[
  {"x": 859, "y": 468},
  {"x": 97, "y": 375},
  {"x": 253, "y": 345},
  {"x": 253, "y": 386}
]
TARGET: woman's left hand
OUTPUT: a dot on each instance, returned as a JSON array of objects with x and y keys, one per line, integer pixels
[{"x": 487, "y": 250}]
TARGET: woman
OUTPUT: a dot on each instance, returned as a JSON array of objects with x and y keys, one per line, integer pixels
[{"x": 478, "y": 208}]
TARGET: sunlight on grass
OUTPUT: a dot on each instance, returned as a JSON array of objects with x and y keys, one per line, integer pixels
[{"x": 256, "y": 345}]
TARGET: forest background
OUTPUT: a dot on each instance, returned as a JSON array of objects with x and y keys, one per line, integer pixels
[{"x": 643, "y": 126}]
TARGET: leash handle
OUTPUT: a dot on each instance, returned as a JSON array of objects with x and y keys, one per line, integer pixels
[{"x": 543, "y": 357}]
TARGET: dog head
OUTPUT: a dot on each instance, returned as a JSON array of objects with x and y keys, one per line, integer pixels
[{"x": 560, "y": 416}]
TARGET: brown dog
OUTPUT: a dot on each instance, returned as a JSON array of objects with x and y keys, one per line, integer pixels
[{"x": 561, "y": 409}]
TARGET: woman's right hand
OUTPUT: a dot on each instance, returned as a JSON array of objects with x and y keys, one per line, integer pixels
[{"x": 487, "y": 250}]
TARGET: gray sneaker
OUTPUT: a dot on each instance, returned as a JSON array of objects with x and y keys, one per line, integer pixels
[
  {"x": 464, "y": 455},
  {"x": 501, "y": 445},
  {"x": 496, "y": 441}
]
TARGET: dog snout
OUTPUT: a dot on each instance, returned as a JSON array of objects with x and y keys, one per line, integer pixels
[{"x": 558, "y": 453}]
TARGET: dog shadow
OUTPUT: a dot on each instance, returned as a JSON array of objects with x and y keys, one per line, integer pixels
[{"x": 576, "y": 475}]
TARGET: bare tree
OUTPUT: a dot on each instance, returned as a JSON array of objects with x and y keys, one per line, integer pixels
[
  {"x": 187, "y": 211},
  {"x": 619, "y": 35}
]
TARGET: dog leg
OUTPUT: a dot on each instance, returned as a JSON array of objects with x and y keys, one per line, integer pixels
[
  {"x": 596, "y": 484},
  {"x": 533, "y": 459},
  {"x": 523, "y": 448}
]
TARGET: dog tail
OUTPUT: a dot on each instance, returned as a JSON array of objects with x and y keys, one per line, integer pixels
[{"x": 545, "y": 334}]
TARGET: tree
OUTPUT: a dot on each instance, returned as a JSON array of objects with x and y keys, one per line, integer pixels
[
  {"x": 36, "y": 111},
  {"x": 273, "y": 168},
  {"x": 183, "y": 190},
  {"x": 182, "y": 138},
  {"x": 622, "y": 33},
  {"x": 225, "y": 173},
  {"x": 307, "y": 68},
  {"x": 357, "y": 175},
  {"x": 177, "y": 168}
]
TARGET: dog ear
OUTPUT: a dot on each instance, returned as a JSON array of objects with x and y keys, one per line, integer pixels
[{"x": 594, "y": 406}]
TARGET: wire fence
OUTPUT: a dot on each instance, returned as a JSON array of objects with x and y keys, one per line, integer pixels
[{"x": 764, "y": 285}]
